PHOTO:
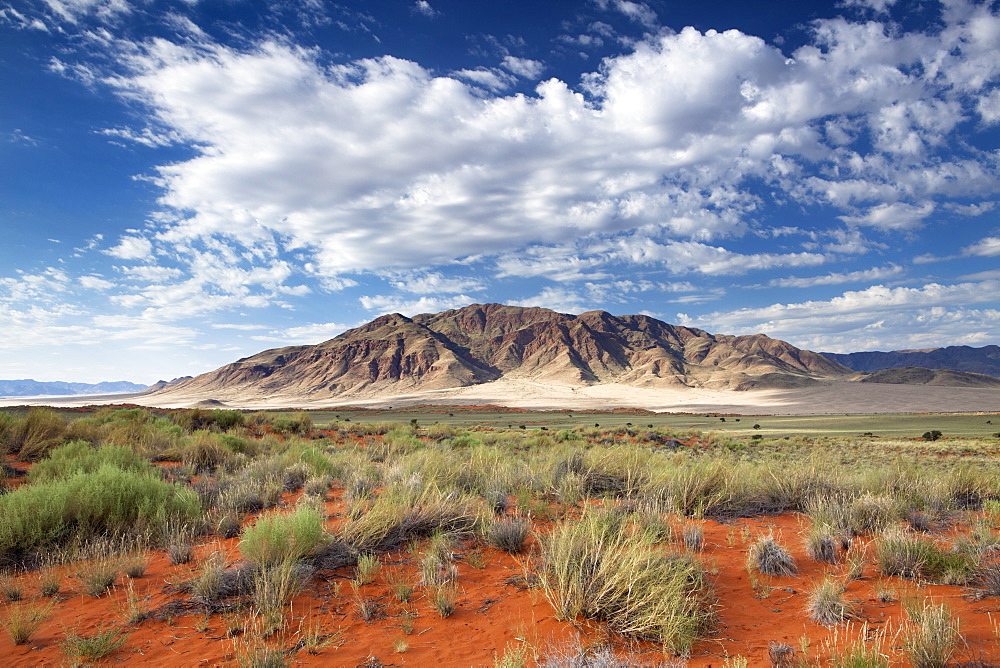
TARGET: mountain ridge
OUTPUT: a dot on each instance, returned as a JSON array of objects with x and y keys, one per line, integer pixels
[
  {"x": 481, "y": 343},
  {"x": 28, "y": 387},
  {"x": 984, "y": 360}
]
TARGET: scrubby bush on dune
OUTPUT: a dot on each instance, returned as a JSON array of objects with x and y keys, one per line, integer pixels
[
  {"x": 32, "y": 436},
  {"x": 80, "y": 457},
  {"x": 603, "y": 569},
  {"x": 278, "y": 537},
  {"x": 83, "y": 505}
]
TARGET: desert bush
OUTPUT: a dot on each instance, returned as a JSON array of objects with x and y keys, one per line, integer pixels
[
  {"x": 826, "y": 603},
  {"x": 34, "y": 435},
  {"x": 94, "y": 646},
  {"x": 910, "y": 557},
  {"x": 598, "y": 568},
  {"x": 444, "y": 598},
  {"x": 366, "y": 569},
  {"x": 22, "y": 620},
  {"x": 768, "y": 557},
  {"x": 508, "y": 534},
  {"x": 821, "y": 545},
  {"x": 88, "y": 505},
  {"x": 207, "y": 585},
  {"x": 297, "y": 424},
  {"x": 402, "y": 513},
  {"x": 933, "y": 636},
  {"x": 278, "y": 537},
  {"x": 273, "y": 586},
  {"x": 693, "y": 537},
  {"x": 80, "y": 457}
]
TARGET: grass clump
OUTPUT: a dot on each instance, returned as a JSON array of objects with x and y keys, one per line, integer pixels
[
  {"x": 81, "y": 457},
  {"x": 22, "y": 620},
  {"x": 603, "y": 568},
  {"x": 827, "y": 605},
  {"x": 278, "y": 537},
  {"x": 934, "y": 635},
  {"x": 905, "y": 556},
  {"x": 509, "y": 535},
  {"x": 94, "y": 646},
  {"x": 768, "y": 557}
]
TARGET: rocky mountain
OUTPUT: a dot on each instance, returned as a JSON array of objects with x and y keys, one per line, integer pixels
[
  {"x": 30, "y": 388},
  {"x": 485, "y": 342},
  {"x": 985, "y": 360}
]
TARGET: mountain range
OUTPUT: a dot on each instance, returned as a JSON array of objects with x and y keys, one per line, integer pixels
[
  {"x": 985, "y": 360},
  {"x": 27, "y": 387},
  {"x": 484, "y": 343}
]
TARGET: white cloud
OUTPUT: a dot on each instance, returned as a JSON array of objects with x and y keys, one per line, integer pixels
[
  {"x": 988, "y": 247},
  {"x": 379, "y": 164},
  {"x": 894, "y": 216},
  {"x": 492, "y": 79},
  {"x": 524, "y": 67},
  {"x": 690, "y": 256},
  {"x": 424, "y": 7},
  {"x": 639, "y": 12},
  {"x": 132, "y": 248},
  {"x": 435, "y": 282},
  {"x": 381, "y": 304},
  {"x": 94, "y": 283},
  {"x": 920, "y": 314},
  {"x": 304, "y": 334},
  {"x": 874, "y": 274}
]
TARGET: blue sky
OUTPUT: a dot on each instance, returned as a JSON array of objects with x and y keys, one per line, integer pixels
[{"x": 185, "y": 182}]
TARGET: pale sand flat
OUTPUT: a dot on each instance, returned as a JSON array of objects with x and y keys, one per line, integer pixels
[{"x": 835, "y": 397}]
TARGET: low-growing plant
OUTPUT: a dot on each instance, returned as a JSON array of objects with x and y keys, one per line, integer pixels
[
  {"x": 768, "y": 557},
  {"x": 400, "y": 586},
  {"x": 597, "y": 568},
  {"x": 826, "y": 603},
  {"x": 278, "y": 537},
  {"x": 257, "y": 654},
  {"x": 10, "y": 588},
  {"x": 444, "y": 598},
  {"x": 781, "y": 655},
  {"x": 366, "y": 569},
  {"x": 910, "y": 557},
  {"x": 207, "y": 584},
  {"x": 22, "y": 620},
  {"x": 933, "y": 636},
  {"x": 98, "y": 574},
  {"x": 273, "y": 586},
  {"x": 94, "y": 646},
  {"x": 693, "y": 537},
  {"x": 821, "y": 545},
  {"x": 135, "y": 609},
  {"x": 509, "y": 535}
]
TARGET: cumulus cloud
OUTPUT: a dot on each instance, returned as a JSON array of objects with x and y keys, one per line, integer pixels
[
  {"x": 132, "y": 248},
  {"x": 523, "y": 67},
  {"x": 380, "y": 304},
  {"x": 913, "y": 314},
  {"x": 304, "y": 334},
  {"x": 379, "y": 163},
  {"x": 988, "y": 247}
]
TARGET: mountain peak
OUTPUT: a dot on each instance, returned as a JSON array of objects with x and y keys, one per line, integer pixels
[{"x": 481, "y": 343}]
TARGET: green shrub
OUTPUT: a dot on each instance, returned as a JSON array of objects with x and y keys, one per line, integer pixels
[
  {"x": 278, "y": 537},
  {"x": 80, "y": 457},
  {"x": 598, "y": 568},
  {"x": 87, "y": 505},
  {"x": 35, "y": 434},
  {"x": 909, "y": 557}
]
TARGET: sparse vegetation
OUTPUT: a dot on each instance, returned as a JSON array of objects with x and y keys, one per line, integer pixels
[{"x": 607, "y": 522}]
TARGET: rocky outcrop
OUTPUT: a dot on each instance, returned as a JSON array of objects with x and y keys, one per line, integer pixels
[{"x": 484, "y": 342}]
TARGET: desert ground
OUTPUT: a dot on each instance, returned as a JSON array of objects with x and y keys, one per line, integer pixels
[
  {"x": 356, "y": 543},
  {"x": 832, "y": 397}
]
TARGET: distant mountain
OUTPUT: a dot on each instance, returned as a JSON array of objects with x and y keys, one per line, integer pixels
[
  {"x": 30, "y": 388},
  {"x": 985, "y": 360},
  {"x": 483, "y": 343},
  {"x": 913, "y": 375}
]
